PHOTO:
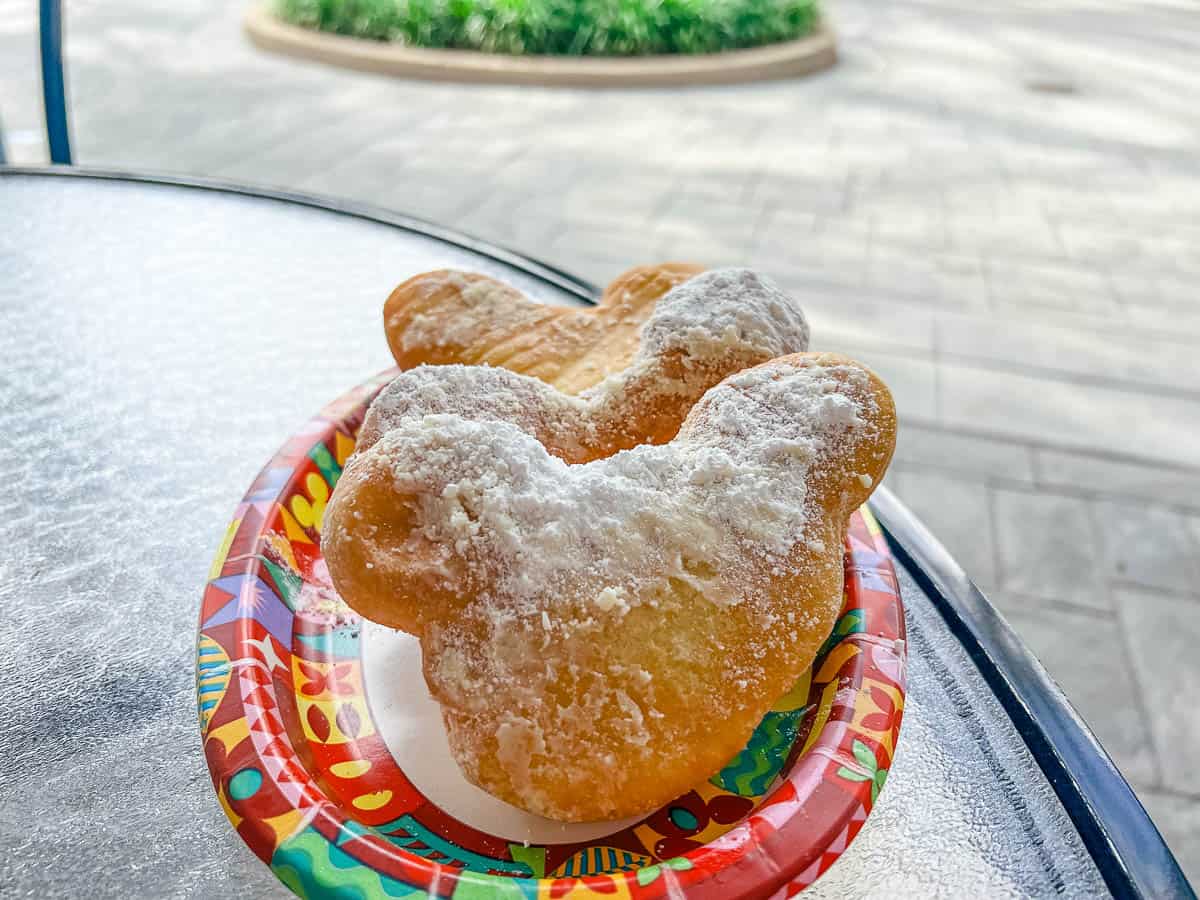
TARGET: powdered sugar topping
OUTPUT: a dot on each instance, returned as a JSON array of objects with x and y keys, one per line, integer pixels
[
  {"x": 726, "y": 497},
  {"x": 722, "y": 310}
]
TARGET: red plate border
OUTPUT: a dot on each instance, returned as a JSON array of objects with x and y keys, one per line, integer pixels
[{"x": 261, "y": 756}]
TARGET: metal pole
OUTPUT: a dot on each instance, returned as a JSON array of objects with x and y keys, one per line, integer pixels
[{"x": 54, "y": 88}]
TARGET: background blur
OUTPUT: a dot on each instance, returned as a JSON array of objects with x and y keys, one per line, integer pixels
[{"x": 995, "y": 205}]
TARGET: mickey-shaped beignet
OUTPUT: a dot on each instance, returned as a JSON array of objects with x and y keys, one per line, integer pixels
[
  {"x": 658, "y": 339},
  {"x": 604, "y": 636}
]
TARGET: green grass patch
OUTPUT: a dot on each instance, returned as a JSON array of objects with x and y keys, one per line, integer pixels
[{"x": 561, "y": 27}]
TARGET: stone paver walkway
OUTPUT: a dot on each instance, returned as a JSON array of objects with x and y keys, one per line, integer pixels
[{"x": 996, "y": 205}]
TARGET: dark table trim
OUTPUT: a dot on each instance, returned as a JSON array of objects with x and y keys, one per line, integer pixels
[
  {"x": 1127, "y": 848},
  {"x": 577, "y": 287}
]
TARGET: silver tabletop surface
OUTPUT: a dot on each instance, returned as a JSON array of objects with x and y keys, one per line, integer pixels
[{"x": 158, "y": 343}]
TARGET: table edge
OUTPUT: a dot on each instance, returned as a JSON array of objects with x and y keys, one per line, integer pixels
[
  {"x": 578, "y": 287},
  {"x": 1126, "y": 846}
]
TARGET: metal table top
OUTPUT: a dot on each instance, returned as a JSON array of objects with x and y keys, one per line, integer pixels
[{"x": 160, "y": 341}]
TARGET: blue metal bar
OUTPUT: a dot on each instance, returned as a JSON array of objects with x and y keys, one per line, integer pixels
[{"x": 54, "y": 88}]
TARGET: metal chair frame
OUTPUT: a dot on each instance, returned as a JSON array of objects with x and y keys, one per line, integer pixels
[{"x": 54, "y": 84}]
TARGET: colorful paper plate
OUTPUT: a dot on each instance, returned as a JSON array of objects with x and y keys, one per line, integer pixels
[{"x": 298, "y": 756}]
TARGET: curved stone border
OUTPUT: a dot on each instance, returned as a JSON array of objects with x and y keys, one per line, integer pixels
[{"x": 785, "y": 60}]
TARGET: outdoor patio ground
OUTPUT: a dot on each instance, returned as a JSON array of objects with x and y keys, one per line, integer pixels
[{"x": 997, "y": 206}]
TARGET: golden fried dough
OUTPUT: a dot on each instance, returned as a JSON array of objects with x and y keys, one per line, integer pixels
[
  {"x": 461, "y": 317},
  {"x": 603, "y": 636},
  {"x": 659, "y": 338}
]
